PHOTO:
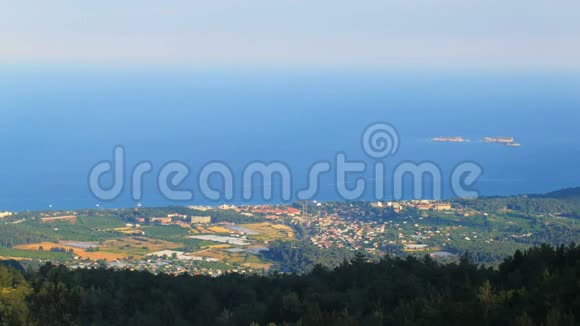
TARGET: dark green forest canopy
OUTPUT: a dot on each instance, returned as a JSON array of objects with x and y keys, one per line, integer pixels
[
  {"x": 536, "y": 287},
  {"x": 565, "y": 202}
]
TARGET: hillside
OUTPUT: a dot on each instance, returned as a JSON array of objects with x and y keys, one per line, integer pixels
[
  {"x": 535, "y": 287},
  {"x": 564, "y": 202},
  {"x": 567, "y": 193}
]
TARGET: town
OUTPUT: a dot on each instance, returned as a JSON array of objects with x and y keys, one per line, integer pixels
[{"x": 214, "y": 240}]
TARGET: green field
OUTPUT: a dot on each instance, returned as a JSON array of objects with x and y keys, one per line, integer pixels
[
  {"x": 44, "y": 255},
  {"x": 100, "y": 222}
]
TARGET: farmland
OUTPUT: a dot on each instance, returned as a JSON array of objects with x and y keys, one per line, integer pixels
[
  {"x": 100, "y": 237},
  {"x": 247, "y": 238},
  {"x": 120, "y": 248},
  {"x": 269, "y": 232}
]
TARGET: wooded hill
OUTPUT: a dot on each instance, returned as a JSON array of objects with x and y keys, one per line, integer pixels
[{"x": 536, "y": 287}]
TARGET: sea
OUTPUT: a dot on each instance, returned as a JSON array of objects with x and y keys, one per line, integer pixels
[{"x": 58, "y": 122}]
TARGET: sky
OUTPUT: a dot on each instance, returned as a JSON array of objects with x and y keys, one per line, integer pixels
[{"x": 538, "y": 34}]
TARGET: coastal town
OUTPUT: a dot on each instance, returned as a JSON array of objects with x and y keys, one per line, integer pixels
[{"x": 215, "y": 240}]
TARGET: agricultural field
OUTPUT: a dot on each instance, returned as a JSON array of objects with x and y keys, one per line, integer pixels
[
  {"x": 269, "y": 231},
  {"x": 34, "y": 231},
  {"x": 218, "y": 229},
  {"x": 129, "y": 230},
  {"x": 100, "y": 222},
  {"x": 113, "y": 238},
  {"x": 20, "y": 254},
  {"x": 203, "y": 229},
  {"x": 242, "y": 258},
  {"x": 166, "y": 232},
  {"x": 137, "y": 247},
  {"x": 109, "y": 250},
  {"x": 78, "y": 252}
]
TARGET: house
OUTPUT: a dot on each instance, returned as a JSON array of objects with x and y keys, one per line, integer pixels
[
  {"x": 161, "y": 220},
  {"x": 291, "y": 211},
  {"x": 200, "y": 219},
  {"x": 181, "y": 216},
  {"x": 423, "y": 207},
  {"x": 5, "y": 214},
  {"x": 396, "y": 207},
  {"x": 443, "y": 207},
  {"x": 199, "y": 208}
]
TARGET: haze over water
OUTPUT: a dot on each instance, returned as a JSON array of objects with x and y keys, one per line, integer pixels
[{"x": 57, "y": 123}]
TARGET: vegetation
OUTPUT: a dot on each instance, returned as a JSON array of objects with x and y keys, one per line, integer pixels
[
  {"x": 565, "y": 202},
  {"x": 535, "y": 287},
  {"x": 33, "y": 231},
  {"x": 44, "y": 255},
  {"x": 301, "y": 256},
  {"x": 490, "y": 228}
]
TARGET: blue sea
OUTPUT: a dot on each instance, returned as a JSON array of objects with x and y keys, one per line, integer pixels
[{"x": 56, "y": 123}]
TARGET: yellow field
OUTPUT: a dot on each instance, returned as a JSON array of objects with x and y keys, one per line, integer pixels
[
  {"x": 13, "y": 258},
  {"x": 220, "y": 246},
  {"x": 112, "y": 249},
  {"x": 258, "y": 265},
  {"x": 128, "y": 230},
  {"x": 219, "y": 229},
  {"x": 269, "y": 231},
  {"x": 136, "y": 246},
  {"x": 283, "y": 228},
  {"x": 193, "y": 230},
  {"x": 77, "y": 251},
  {"x": 198, "y": 229}
]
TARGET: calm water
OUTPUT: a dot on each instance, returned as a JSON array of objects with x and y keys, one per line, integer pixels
[{"x": 57, "y": 123}]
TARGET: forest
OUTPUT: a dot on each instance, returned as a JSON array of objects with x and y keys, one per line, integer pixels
[
  {"x": 538, "y": 286},
  {"x": 565, "y": 202}
]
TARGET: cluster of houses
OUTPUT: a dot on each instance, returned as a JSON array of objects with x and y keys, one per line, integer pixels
[
  {"x": 422, "y": 205},
  {"x": 166, "y": 264},
  {"x": 180, "y": 255},
  {"x": 270, "y": 212},
  {"x": 353, "y": 227},
  {"x": 334, "y": 231},
  {"x": 276, "y": 210},
  {"x": 177, "y": 219}
]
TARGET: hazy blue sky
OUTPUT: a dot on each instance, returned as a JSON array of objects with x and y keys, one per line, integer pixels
[{"x": 458, "y": 33}]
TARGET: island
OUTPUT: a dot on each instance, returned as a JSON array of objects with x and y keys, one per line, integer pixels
[
  {"x": 451, "y": 139},
  {"x": 507, "y": 141}
]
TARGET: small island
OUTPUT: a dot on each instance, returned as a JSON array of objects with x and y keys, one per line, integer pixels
[
  {"x": 452, "y": 139},
  {"x": 507, "y": 141}
]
